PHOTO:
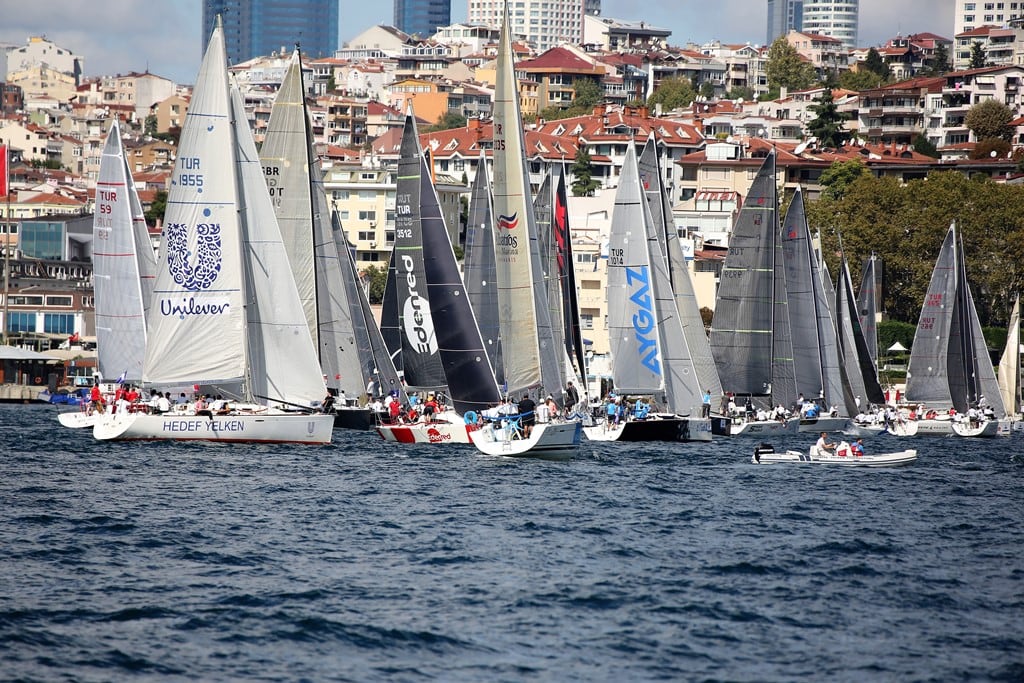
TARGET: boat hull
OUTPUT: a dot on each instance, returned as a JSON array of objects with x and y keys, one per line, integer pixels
[
  {"x": 240, "y": 428},
  {"x": 426, "y": 432},
  {"x": 824, "y": 424},
  {"x": 895, "y": 459},
  {"x": 354, "y": 418},
  {"x": 743, "y": 427},
  {"x": 984, "y": 429},
  {"x": 672, "y": 428},
  {"x": 79, "y": 419},
  {"x": 551, "y": 440}
]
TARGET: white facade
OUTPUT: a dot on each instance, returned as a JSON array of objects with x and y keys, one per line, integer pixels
[
  {"x": 835, "y": 18},
  {"x": 970, "y": 14},
  {"x": 545, "y": 23}
]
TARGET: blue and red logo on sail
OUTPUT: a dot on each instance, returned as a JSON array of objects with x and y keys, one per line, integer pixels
[{"x": 508, "y": 222}]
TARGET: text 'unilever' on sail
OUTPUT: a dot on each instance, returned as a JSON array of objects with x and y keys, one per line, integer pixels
[{"x": 194, "y": 269}]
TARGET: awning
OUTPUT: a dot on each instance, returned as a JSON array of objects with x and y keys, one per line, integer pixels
[
  {"x": 897, "y": 347},
  {"x": 18, "y": 353}
]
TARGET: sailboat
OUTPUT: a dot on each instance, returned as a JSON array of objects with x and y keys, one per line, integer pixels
[
  {"x": 949, "y": 362},
  {"x": 1009, "y": 369},
  {"x": 319, "y": 255},
  {"x": 226, "y": 312},
  {"x": 124, "y": 266},
  {"x": 867, "y": 306},
  {"x": 453, "y": 335},
  {"x": 531, "y": 359},
  {"x": 750, "y": 333},
  {"x": 812, "y": 325},
  {"x": 648, "y": 349}
]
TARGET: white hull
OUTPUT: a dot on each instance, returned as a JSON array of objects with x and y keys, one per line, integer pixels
[
  {"x": 824, "y": 424},
  {"x": 741, "y": 427},
  {"x": 553, "y": 440},
  {"x": 265, "y": 427},
  {"x": 682, "y": 429},
  {"x": 895, "y": 459},
  {"x": 79, "y": 419},
  {"x": 987, "y": 428},
  {"x": 864, "y": 429}
]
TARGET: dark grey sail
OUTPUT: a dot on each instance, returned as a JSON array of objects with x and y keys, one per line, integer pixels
[
  {"x": 389, "y": 329},
  {"x": 679, "y": 274},
  {"x": 573, "y": 330},
  {"x": 798, "y": 254},
  {"x": 421, "y": 358},
  {"x": 861, "y": 372},
  {"x": 543, "y": 209},
  {"x": 741, "y": 332},
  {"x": 467, "y": 370},
  {"x": 868, "y": 306},
  {"x": 478, "y": 268}
]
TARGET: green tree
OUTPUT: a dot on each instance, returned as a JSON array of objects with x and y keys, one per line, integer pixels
[
  {"x": 707, "y": 89},
  {"x": 939, "y": 63},
  {"x": 447, "y": 121},
  {"x": 874, "y": 63},
  {"x": 828, "y": 125},
  {"x": 378, "y": 278},
  {"x": 839, "y": 176},
  {"x": 922, "y": 145},
  {"x": 990, "y": 119},
  {"x": 149, "y": 128},
  {"x": 582, "y": 171},
  {"x": 787, "y": 68},
  {"x": 858, "y": 80},
  {"x": 978, "y": 60},
  {"x": 331, "y": 84},
  {"x": 156, "y": 210},
  {"x": 991, "y": 148},
  {"x": 586, "y": 93},
  {"x": 740, "y": 92},
  {"x": 672, "y": 93}
]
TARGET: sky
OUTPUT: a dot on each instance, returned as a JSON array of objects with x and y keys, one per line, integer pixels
[{"x": 163, "y": 36}]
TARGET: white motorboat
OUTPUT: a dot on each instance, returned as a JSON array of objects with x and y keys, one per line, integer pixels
[{"x": 842, "y": 456}]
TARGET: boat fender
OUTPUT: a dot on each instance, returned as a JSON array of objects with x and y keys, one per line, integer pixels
[
  {"x": 470, "y": 417},
  {"x": 39, "y": 380}
]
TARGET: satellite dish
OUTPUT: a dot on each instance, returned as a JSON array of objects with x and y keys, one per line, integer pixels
[{"x": 800, "y": 148}]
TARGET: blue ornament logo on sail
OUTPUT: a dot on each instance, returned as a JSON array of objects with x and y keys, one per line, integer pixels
[
  {"x": 194, "y": 272},
  {"x": 508, "y": 223},
  {"x": 643, "y": 319}
]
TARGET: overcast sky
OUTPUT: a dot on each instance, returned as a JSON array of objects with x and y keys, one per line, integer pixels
[{"x": 163, "y": 36}]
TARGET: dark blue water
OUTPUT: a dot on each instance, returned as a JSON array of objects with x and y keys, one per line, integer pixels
[{"x": 373, "y": 562}]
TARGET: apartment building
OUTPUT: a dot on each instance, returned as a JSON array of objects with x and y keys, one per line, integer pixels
[{"x": 544, "y": 23}]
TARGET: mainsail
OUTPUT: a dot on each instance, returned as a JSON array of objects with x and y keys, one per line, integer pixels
[
  {"x": 867, "y": 305},
  {"x": 679, "y": 274},
  {"x": 528, "y": 350},
  {"x": 1009, "y": 364},
  {"x": 124, "y": 266},
  {"x": 859, "y": 370},
  {"x": 741, "y": 332}
]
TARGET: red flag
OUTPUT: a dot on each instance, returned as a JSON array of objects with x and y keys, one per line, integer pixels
[{"x": 4, "y": 186}]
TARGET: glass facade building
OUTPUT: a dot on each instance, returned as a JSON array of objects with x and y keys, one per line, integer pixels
[{"x": 254, "y": 28}]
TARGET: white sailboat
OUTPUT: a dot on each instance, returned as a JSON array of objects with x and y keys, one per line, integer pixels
[
  {"x": 531, "y": 360},
  {"x": 949, "y": 362},
  {"x": 650, "y": 356},
  {"x": 226, "y": 311},
  {"x": 124, "y": 267}
]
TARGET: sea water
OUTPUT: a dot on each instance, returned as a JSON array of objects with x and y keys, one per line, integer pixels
[{"x": 367, "y": 561}]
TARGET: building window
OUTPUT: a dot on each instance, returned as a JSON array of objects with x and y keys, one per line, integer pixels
[
  {"x": 21, "y": 322},
  {"x": 64, "y": 301},
  {"x": 58, "y": 323},
  {"x": 367, "y": 215}
]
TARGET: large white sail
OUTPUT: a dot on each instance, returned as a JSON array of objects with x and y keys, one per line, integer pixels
[
  {"x": 124, "y": 266},
  {"x": 197, "y": 324},
  {"x": 530, "y": 359},
  {"x": 1009, "y": 364}
]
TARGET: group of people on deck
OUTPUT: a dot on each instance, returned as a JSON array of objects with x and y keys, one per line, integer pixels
[{"x": 128, "y": 398}]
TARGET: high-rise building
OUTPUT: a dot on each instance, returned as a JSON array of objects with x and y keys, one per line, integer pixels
[
  {"x": 784, "y": 16},
  {"x": 592, "y": 7},
  {"x": 545, "y": 23},
  {"x": 971, "y": 14},
  {"x": 422, "y": 17},
  {"x": 834, "y": 18},
  {"x": 258, "y": 27}
]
